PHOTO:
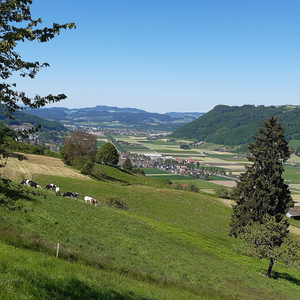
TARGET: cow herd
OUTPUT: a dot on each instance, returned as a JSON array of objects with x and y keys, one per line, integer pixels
[{"x": 56, "y": 189}]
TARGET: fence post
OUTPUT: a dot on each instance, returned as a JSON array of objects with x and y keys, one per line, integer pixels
[{"x": 57, "y": 249}]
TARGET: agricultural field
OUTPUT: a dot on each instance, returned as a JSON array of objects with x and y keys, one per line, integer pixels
[
  {"x": 210, "y": 186},
  {"x": 230, "y": 162},
  {"x": 166, "y": 244}
]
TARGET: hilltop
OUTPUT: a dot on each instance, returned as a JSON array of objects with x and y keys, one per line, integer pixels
[
  {"x": 169, "y": 244},
  {"x": 234, "y": 125}
]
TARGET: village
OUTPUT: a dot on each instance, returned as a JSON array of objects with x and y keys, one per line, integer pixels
[{"x": 178, "y": 166}]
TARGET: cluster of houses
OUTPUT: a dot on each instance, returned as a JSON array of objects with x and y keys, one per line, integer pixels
[
  {"x": 97, "y": 130},
  {"x": 35, "y": 139},
  {"x": 178, "y": 166}
]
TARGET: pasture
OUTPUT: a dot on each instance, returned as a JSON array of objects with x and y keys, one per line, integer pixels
[{"x": 169, "y": 244}]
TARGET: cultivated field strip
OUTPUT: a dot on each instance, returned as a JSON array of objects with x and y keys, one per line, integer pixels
[{"x": 35, "y": 164}]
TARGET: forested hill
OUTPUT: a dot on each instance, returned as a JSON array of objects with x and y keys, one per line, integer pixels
[
  {"x": 235, "y": 125},
  {"x": 21, "y": 118},
  {"x": 49, "y": 130}
]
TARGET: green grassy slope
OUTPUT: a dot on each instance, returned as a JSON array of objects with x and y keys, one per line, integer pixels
[{"x": 176, "y": 236}]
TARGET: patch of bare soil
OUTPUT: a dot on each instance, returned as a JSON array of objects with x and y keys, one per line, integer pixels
[
  {"x": 227, "y": 202},
  {"x": 226, "y": 183},
  {"x": 294, "y": 230},
  {"x": 36, "y": 164}
]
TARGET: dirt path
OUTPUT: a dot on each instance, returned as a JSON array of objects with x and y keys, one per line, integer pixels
[
  {"x": 36, "y": 164},
  {"x": 226, "y": 183}
]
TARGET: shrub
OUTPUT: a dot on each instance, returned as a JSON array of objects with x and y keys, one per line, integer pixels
[
  {"x": 98, "y": 173},
  {"x": 114, "y": 201},
  {"x": 167, "y": 181},
  {"x": 127, "y": 165},
  {"x": 224, "y": 192},
  {"x": 192, "y": 188},
  {"x": 138, "y": 171},
  {"x": 87, "y": 168}
]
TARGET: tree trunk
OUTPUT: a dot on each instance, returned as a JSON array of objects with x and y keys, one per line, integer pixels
[{"x": 271, "y": 263}]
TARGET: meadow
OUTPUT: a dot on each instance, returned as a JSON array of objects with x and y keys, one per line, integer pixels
[{"x": 168, "y": 244}]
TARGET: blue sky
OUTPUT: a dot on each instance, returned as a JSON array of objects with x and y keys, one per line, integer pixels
[{"x": 168, "y": 55}]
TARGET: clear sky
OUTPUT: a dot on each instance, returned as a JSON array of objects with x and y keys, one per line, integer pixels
[{"x": 168, "y": 55}]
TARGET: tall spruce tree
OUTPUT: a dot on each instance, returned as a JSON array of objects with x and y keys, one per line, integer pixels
[{"x": 262, "y": 197}]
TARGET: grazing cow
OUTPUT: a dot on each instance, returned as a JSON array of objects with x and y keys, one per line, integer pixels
[
  {"x": 91, "y": 200},
  {"x": 57, "y": 191},
  {"x": 29, "y": 183},
  {"x": 70, "y": 194},
  {"x": 50, "y": 186}
]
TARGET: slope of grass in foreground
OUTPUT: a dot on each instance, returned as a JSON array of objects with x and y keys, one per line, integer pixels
[{"x": 109, "y": 254}]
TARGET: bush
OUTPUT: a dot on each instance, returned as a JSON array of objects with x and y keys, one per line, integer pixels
[
  {"x": 138, "y": 171},
  {"x": 224, "y": 192},
  {"x": 114, "y": 201},
  {"x": 98, "y": 173},
  {"x": 127, "y": 165},
  {"x": 167, "y": 181},
  {"x": 192, "y": 188},
  {"x": 87, "y": 168},
  {"x": 80, "y": 161}
]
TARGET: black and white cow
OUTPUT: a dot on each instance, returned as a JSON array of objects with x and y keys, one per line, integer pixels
[
  {"x": 70, "y": 194},
  {"x": 29, "y": 183},
  {"x": 50, "y": 186}
]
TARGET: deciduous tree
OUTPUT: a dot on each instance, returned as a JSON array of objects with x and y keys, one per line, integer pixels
[
  {"x": 79, "y": 148},
  {"x": 17, "y": 25},
  {"x": 107, "y": 154},
  {"x": 262, "y": 197}
]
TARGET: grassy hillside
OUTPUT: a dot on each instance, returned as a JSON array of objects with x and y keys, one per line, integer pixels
[
  {"x": 169, "y": 244},
  {"x": 234, "y": 125}
]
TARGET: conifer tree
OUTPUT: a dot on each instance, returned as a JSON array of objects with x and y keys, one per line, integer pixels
[{"x": 262, "y": 197}]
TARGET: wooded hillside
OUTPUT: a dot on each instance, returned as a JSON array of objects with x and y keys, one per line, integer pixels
[
  {"x": 234, "y": 125},
  {"x": 49, "y": 129}
]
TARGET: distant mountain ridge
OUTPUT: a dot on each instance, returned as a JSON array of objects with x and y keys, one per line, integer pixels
[
  {"x": 102, "y": 113},
  {"x": 235, "y": 125}
]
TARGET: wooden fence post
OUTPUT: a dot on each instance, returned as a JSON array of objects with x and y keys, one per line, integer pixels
[{"x": 57, "y": 249}]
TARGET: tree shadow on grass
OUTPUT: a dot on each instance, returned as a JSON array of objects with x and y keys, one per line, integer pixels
[
  {"x": 285, "y": 276},
  {"x": 112, "y": 179},
  {"x": 74, "y": 289},
  {"x": 11, "y": 193}
]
